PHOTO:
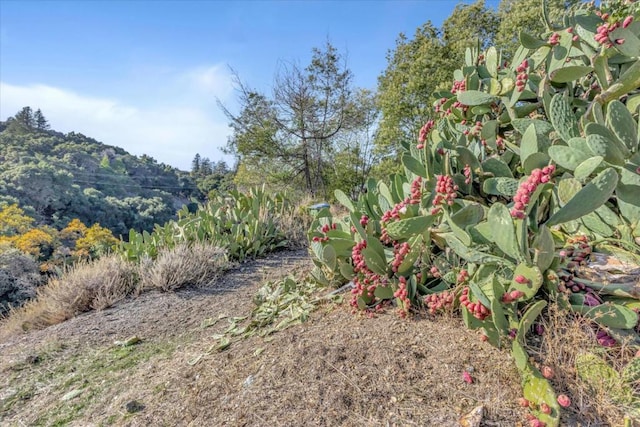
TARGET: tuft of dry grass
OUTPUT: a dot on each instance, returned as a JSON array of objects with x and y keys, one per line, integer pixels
[
  {"x": 566, "y": 337},
  {"x": 294, "y": 223},
  {"x": 183, "y": 265},
  {"x": 85, "y": 286}
]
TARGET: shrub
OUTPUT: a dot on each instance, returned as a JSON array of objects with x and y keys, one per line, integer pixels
[
  {"x": 83, "y": 287},
  {"x": 19, "y": 278},
  {"x": 183, "y": 265}
]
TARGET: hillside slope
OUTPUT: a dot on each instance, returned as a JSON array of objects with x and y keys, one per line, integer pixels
[
  {"x": 56, "y": 177},
  {"x": 336, "y": 369}
]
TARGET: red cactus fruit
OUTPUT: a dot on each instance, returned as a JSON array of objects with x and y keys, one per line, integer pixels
[
  {"x": 521, "y": 279},
  {"x": 548, "y": 372},
  {"x": 627, "y": 21},
  {"x": 466, "y": 376},
  {"x": 564, "y": 401},
  {"x": 523, "y": 402},
  {"x": 545, "y": 409},
  {"x": 536, "y": 423},
  {"x": 516, "y": 294}
]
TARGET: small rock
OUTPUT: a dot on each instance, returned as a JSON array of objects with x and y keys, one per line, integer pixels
[
  {"x": 133, "y": 406},
  {"x": 248, "y": 381}
]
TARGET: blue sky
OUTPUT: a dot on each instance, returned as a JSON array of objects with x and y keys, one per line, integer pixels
[{"x": 145, "y": 75}]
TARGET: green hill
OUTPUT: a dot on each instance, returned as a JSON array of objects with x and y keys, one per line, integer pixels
[{"x": 56, "y": 177}]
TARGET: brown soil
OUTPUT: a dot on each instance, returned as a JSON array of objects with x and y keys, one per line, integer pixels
[{"x": 336, "y": 369}]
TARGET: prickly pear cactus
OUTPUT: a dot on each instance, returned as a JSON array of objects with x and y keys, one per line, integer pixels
[
  {"x": 605, "y": 380},
  {"x": 631, "y": 372},
  {"x": 523, "y": 173}
]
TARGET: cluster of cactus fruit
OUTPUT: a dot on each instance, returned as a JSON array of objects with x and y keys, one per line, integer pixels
[{"x": 525, "y": 171}]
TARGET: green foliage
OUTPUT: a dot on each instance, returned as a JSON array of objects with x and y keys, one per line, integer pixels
[
  {"x": 312, "y": 132},
  {"x": 56, "y": 177},
  {"x": 489, "y": 208},
  {"x": 244, "y": 224}
]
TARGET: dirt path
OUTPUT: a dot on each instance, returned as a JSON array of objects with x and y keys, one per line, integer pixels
[{"x": 336, "y": 369}]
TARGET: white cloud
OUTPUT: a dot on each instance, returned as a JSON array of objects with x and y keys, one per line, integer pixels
[
  {"x": 214, "y": 80},
  {"x": 171, "y": 133}
]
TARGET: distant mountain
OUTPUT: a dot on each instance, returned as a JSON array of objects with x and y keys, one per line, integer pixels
[{"x": 56, "y": 177}]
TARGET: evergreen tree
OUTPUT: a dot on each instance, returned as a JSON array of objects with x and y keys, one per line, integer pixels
[
  {"x": 206, "y": 167},
  {"x": 195, "y": 164},
  {"x": 25, "y": 117},
  {"x": 40, "y": 121}
]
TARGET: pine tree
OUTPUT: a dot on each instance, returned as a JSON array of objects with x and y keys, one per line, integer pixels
[
  {"x": 25, "y": 117},
  {"x": 40, "y": 121},
  {"x": 195, "y": 165}
]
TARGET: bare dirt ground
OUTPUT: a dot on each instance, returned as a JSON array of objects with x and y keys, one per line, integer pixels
[{"x": 335, "y": 369}]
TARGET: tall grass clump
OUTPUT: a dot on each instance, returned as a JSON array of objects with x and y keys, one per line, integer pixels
[
  {"x": 183, "y": 265},
  {"x": 83, "y": 287}
]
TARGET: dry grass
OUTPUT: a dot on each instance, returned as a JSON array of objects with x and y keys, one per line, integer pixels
[
  {"x": 83, "y": 287},
  {"x": 184, "y": 265},
  {"x": 566, "y": 337},
  {"x": 294, "y": 223}
]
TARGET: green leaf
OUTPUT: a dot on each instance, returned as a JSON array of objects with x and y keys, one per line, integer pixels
[
  {"x": 542, "y": 127},
  {"x": 409, "y": 227},
  {"x": 491, "y": 61},
  {"x": 466, "y": 157},
  {"x": 603, "y": 143},
  {"x": 631, "y": 45},
  {"x": 355, "y": 221},
  {"x": 528, "y": 318},
  {"x": 587, "y": 167},
  {"x": 500, "y": 186},
  {"x": 593, "y": 222},
  {"x": 346, "y": 270},
  {"x": 500, "y": 221},
  {"x": 587, "y": 200},
  {"x": 497, "y": 312},
  {"x": 567, "y": 189},
  {"x": 535, "y": 161},
  {"x": 386, "y": 193},
  {"x": 538, "y": 390},
  {"x": 530, "y": 42},
  {"x": 342, "y": 246},
  {"x": 383, "y": 292},
  {"x": 344, "y": 200},
  {"x": 413, "y": 165},
  {"x": 622, "y": 123},
  {"x": 567, "y": 157},
  {"x": 496, "y": 167},
  {"x": 472, "y": 255},
  {"x": 474, "y": 97},
  {"x": 544, "y": 248},
  {"x": 529, "y": 143},
  {"x": 374, "y": 261},
  {"x": 569, "y": 74},
  {"x": 534, "y": 276},
  {"x": 609, "y": 315},
  {"x": 329, "y": 256},
  {"x": 562, "y": 118},
  {"x": 409, "y": 260},
  {"x": 469, "y": 215},
  {"x": 461, "y": 234}
]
